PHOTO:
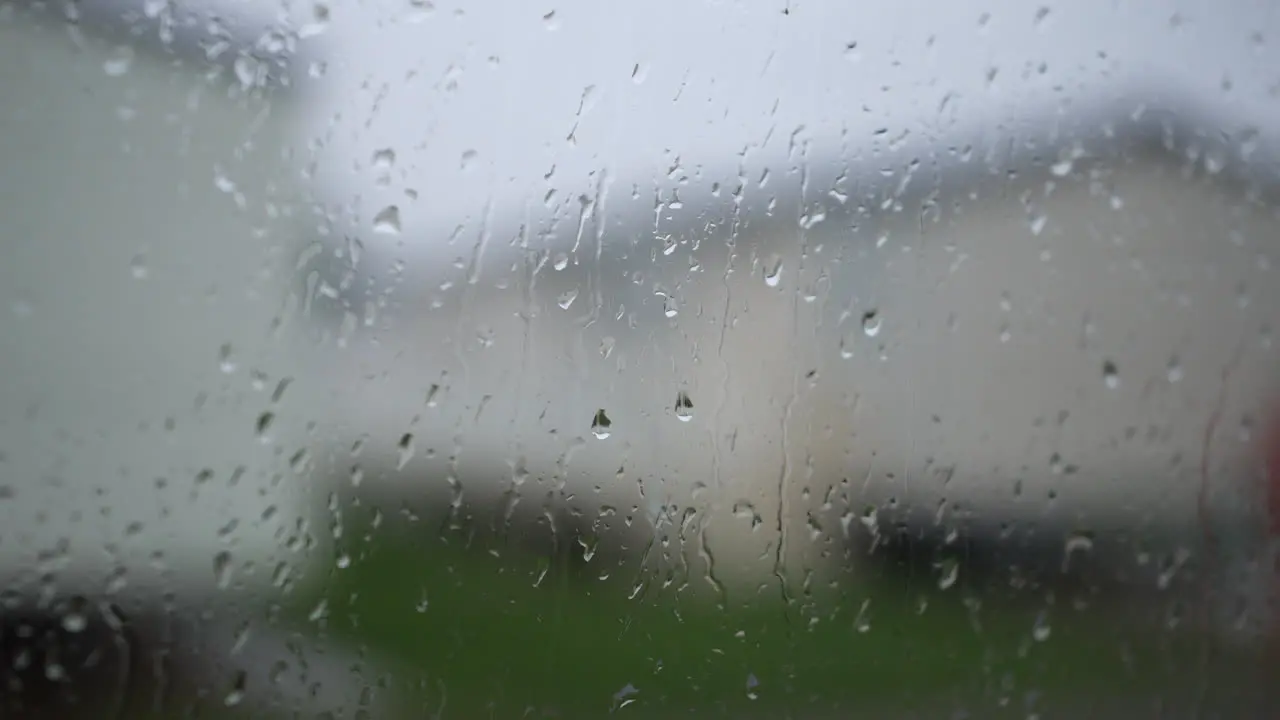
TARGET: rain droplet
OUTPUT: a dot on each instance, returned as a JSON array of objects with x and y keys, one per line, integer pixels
[
  {"x": 384, "y": 159},
  {"x": 320, "y": 611},
  {"x": 405, "y": 447},
  {"x": 566, "y": 298},
  {"x": 752, "y": 683},
  {"x": 871, "y": 323},
  {"x": 1037, "y": 224},
  {"x": 249, "y": 71},
  {"x": 773, "y": 272},
  {"x": 1110, "y": 375},
  {"x": 222, "y": 569},
  {"x": 226, "y": 363},
  {"x": 387, "y": 221},
  {"x": 600, "y": 425},
  {"x": 1175, "y": 370},
  {"x": 1041, "y": 630},
  {"x": 948, "y": 573},
  {"x": 862, "y": 623},
  {"x": 469, "y": 158},
  {"x": 627, "y": 691},
  {"x": 236, "y": 695},
  {"x": 846, "y": 347},
  {"x": 264, "y": 424},
  {"x": 138, "y": 267},
  {"x": 684, "y": 406},
  {"x": 319, "y": 21},
  {"x": 74, "y": 622},
  {"x": 1080, "y": 542},
  {"x": 119, "y": 63},
  {"x": 422, "y": 9},
  {"x": 300, "y": 461}
]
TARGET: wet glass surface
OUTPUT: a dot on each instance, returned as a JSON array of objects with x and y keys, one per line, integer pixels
[{"x": 402, "y": 359}]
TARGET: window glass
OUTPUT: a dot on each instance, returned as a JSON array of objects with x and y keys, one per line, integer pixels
[{"x": 715, "y": 359}]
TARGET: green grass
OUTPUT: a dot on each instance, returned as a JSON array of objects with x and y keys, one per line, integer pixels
[{"x": 480, "y": 636}]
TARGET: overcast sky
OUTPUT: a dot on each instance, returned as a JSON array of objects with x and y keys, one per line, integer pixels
[{"x": 479, "y": 101}]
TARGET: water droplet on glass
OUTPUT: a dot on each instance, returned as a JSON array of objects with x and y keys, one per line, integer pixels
[
  {"x": 300, "y": 461},
  {"x": 320, "y": 611},
  {"x": 263, "y": 425},
  {"x": 422, "y": 9},
  {"x": 871, "y": 323},
  {"x": 319, "y": 21},
  {"x": 138, "y": 267},
  {"x": 752, "y": 683},
  {"x": 384, "y": 159},
  {"x": 1041, "y": 630},
  {"x": 387, "y": 221},
  {"x": 1077, "y": 543},
  {"x": 566, "y": 298},
  {"x": 74, "y": 622},
  {"x": 469, "y": 158},
  {"x": 684, "y": 407},
  {"x": 624, "y": 695},
  {"x": 561, "y": 262},
  {"x": 1037, "y": 224},
  {"x": 236, "y": 694},
  {"x": 846, "y": 347},
  {"x": 773, "y": 272},
  {"x": 222, "y": 569},
  {"x": 600, "y": 424},
  {"x": 119, "y": 63},
  {"x": 588, "y": 548},
  {"x": 862, "y": 623},
  {"x": 1175, "y": 370},
  {"x": 249, "y": 71},
  {"x": 948, "y": 573},
  {"x": 1110, "y": 375},
  {"x": 226, "y": 363},
  {"x": 405, "y": 447}
]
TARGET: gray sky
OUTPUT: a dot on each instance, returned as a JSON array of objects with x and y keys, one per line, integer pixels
[{"x": 636, "y": 85}]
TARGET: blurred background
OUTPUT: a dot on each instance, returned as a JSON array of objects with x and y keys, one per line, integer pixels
[{"x": 715, "y": 359}]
